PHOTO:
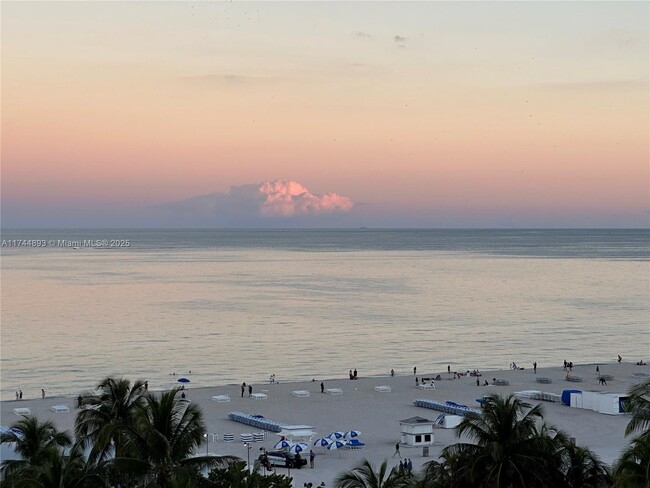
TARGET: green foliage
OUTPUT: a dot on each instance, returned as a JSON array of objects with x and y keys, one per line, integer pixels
[
  {"x": 237, "y": 476},
  {"x": 365, "y": 476}
]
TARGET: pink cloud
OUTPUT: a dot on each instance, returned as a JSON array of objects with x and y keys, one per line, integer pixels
[{"x": 290, "y": 198}]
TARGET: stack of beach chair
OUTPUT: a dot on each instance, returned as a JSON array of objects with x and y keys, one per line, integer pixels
[
  {"x": 447, "y": 407},
  {"x": 255, "y": 421}
]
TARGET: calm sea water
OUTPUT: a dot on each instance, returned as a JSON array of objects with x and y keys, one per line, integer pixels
[{"x": 236, "y": 306}]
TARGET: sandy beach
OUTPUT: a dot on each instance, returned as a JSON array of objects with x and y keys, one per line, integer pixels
[{"x": 377, "y": 414}]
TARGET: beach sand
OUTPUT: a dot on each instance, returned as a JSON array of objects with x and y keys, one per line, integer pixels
[{"x": 377, "y": 414}]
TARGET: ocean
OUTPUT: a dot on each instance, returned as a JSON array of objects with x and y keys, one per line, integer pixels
[{"x": 226, "y": 306}]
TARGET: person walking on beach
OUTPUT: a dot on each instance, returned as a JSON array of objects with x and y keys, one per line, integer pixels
[
  {"x": 478, "y": 382},
  {"x": 415, "y": 370},
  {"x": 401, "y": 467},
  {"x": 42, "y": 393},
  {"x": 397, "y": 451},
  {"x": 409, "y": 467},
  {"x": 449, "y": 369},
  {"x": 322, "y": 387},
  {"x": 535, "y": 367},
  {"x": 250, "y": 390},
  {"x": 312, "y": 456},
  {"x": 392, "y": 372},
  {"x": 354, "y": 375},
  {"x": 602, "y": 381},
  {"x": 619, "y": 359},
  {"x": 16, "y": 394},
  {"x": 243, "y": 389},
  {"x": 20, "y": 394},
  {"x": 597, "y": 371},
  {"x": 351, "y": 377}
]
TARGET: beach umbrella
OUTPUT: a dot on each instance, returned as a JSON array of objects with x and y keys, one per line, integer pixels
[
  {"x": 283, "y": 444},
  {"x": 300, "y": 447},
  {"x": 336, "y": 445},
  {"x": 323, "y": 442},
  {"x": 183, "y": 380},
  {"x": 351, "y": 433},
  {"x": 336, "y": 435}
]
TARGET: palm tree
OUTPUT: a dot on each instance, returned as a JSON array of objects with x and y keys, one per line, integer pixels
[
  {"x": 59, "y": 470},
  {"x": 443, "y": 474},
  {"x": 510, "y": 450},
  {"x": 107, "y": 422},
  {"x": 581, "y": 467},
  {"x": 364, "y": 476},
  {"x": 639, "y": 407},
  {"x": 34, "y": 442},
  {"x": 633, "y": 468},
  {"x": 169, "y": 432}
]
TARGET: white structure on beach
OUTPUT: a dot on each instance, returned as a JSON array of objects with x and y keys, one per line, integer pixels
[{"x": 416, "y": 431}]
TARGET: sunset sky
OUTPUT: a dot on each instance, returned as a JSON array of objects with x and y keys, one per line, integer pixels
[{"x": 392, "y": 114}]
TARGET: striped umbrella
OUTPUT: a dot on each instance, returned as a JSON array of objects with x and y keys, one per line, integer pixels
[
  {"x": 301, "y": 446},
  {"x": 351, "y": 434},
  {"x": 283, "y": 444},
  {"x": 323, "y": 442},
  {"x": 336, "y": 435}
]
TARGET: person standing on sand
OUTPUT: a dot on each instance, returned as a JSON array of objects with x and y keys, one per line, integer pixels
[
  {"x": 478, "y": 382},
  {"x": 415, "y": 370},
  {"x": 448, "y": 369},
  {"x": 535, "y": 367},
  {"x": 20, "y": 394},
  {"x": 392, "y": 372},
  {"x": 322, "y": 390},
  {"x": 250, "y": 390},
  {"x": 16, "y": 394},
  {"x": 243, "y": 389},
  {"x": 619, "y": 359},
  {"x": 42, "y": 393},
  {"x": 312, "y": 456},
  {"x": 79, "y": 401},
  {"x": 397, "y": 451},
  {"x": 597, "y": 371}
]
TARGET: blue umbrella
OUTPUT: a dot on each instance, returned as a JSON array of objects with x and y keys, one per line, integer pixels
[
  {"x": 183, "y": 380},
  {"x": 336, "y": 445},
  {"x": 323, "y": 442},
  {"x": 336, "y": 435},
  {"x": 299, "y": 447},
  {"x": 283, "y": 444},
  {"x": 352, "y": 433}
]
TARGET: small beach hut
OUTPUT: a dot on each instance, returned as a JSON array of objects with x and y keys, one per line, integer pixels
[{"x": 416, "y": 431}]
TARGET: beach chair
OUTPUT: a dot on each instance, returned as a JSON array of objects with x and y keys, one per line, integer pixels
[
  {"x": 425, "y": 386},
  {"x": 259, "y": 396},
  {"x": 60, "y": 408},
  {"x": 22, "y": 411},
  {"x": 229, "y": 437},
  {"x": 334, "y": 391},
  {"x": 383, "y": 389},
  {"x": 221, "y": 398},
  {"x": 246, "y": 437},
  {"x": 300, "y": 393},
  {"x": 259, "y": 436},
  {"x": 543, "y": 380}
]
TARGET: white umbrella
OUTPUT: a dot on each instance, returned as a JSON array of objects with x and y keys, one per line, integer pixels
[
  {"x": 323, "y": 442},
  {"x": 352, "y": 433},
  {"x": 336, "y": 435},
  {"x": 283, "y": 444},
  {"x": 301, "y": 446},
  {"x": 336, "y": 445}
]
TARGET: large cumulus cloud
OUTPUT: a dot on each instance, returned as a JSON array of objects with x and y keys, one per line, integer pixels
[{"x": 269, "y": 199}]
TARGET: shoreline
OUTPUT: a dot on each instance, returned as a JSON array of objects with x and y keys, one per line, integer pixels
[{"x": 377, "y": 414}]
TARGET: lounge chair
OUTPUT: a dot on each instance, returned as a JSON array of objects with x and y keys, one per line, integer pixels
[
  {"x": 383, "y": 389},
  {"x": 60, "y": 408},
  {"x": 259, "y": 396},
  {"x": 542, "y": 379},
  {"x": 300, "y": 393},
  {"x": 334, "y": 391},
  {"x": 22, "y": 411},
  {"x": 221, "y": 398}
]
